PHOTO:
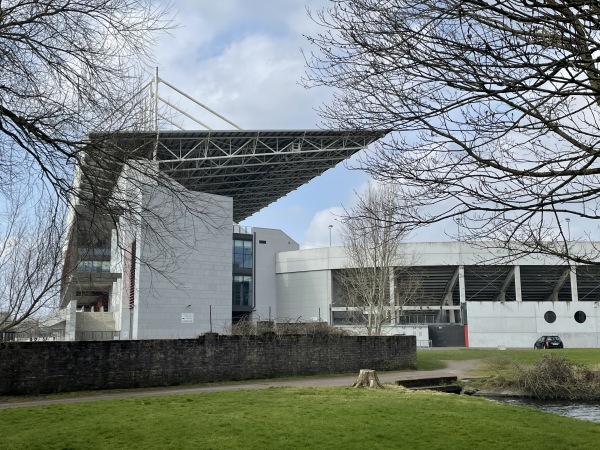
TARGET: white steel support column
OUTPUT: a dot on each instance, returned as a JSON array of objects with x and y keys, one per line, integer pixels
[
  {"x": 462, "y": 292},
  {"x": 329, "y": 294},
  {"x": 156, "y": 81},
  {"x": 573, "y": 279},
  {"x": 461, "y": 284},
  {"x": 71, "y": 320},
  {"x": 518, "y": 296},
  {"x": 501, "y": 296}
]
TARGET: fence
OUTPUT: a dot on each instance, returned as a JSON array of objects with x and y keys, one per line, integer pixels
[
  {"x": 424, "y": 343},
  {"x": 97, "y": 335},
  {"x": 32, "y": 336},
  {"x": 413, "y": 319},
  {"x": 58, "y": 335}
]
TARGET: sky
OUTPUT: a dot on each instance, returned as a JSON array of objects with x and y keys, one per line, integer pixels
[{"x": 243, "y": 59}]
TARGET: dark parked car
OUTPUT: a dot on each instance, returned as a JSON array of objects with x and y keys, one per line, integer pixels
[{"x": 548, "y": 342}]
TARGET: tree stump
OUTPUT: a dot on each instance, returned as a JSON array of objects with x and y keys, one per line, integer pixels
[{"x": 367, "y": 378}]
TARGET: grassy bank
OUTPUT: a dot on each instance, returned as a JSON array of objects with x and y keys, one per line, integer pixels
[
  {"x": 288, "y": 418},
  {"x": 568, "y": 374}
]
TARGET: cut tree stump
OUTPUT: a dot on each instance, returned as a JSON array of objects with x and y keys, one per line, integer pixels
[{"x": 367, "y": 378}]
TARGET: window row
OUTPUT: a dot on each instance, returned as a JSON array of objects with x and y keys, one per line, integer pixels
[
  {"x": 579, "y": 316},
  {"x": 93, "y": 266}
]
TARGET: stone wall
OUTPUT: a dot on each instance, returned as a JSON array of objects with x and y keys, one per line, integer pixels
[{"x": 44, "y": 367}]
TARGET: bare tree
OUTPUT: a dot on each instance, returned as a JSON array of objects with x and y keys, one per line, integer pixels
[
  {"x": 373, "y": 253},
  {"x": 496, "y": 108},
  {"x": 65, "y": 67},
  {"x": 32, "y": 234}
]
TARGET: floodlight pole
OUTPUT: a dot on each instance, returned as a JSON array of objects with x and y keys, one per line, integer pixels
[
  {"x": 330, "y": 227},
  {"x": 156, "y": 99},
  {"x": 156, "y": 79}
]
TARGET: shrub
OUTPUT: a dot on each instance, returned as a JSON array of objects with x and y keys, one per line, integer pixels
[
  {"x": 552, "y": 378},
  {"x": 246, "y": 327}
]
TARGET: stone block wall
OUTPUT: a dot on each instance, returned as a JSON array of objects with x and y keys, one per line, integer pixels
[{"x": 44, "y": 367}]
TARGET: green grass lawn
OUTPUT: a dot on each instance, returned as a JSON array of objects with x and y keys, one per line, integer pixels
[
  {"x": 291, "y": 418},
  {"x": 436, "y": 359}
]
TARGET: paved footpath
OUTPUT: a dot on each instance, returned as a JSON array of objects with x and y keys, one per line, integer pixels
[{"x": 459, "y": 369}]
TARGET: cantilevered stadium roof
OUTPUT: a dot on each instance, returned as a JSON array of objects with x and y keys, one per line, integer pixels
[{"x": 254, "y": 167}]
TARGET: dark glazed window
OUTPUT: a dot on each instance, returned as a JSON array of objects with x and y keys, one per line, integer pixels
[
  {"x": 550, "y": 317},
  {"x": 242, "y": 290},
  {"x": 580, "y": 317},
  {"x": 242, "y": 254}
]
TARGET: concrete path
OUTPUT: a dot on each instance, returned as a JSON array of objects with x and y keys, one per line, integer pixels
[{"x": 459, "y": 369}]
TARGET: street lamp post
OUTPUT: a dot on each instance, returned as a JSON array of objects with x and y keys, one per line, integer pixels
[
  {"x": 568, "y": 228},
  {"x": 330, "y": 227}
]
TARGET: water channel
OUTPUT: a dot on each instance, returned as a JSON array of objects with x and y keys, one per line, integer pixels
[{"x": 579, "y": 410}]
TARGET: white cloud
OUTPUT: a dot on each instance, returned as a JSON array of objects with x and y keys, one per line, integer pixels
[
  {"x": 243, "y": 59},
  {"x": 317, "y": 233}
]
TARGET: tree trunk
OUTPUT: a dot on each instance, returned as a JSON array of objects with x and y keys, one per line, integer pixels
[{"x": 367, "y": 378}]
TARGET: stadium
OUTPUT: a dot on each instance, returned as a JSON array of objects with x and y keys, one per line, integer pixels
[{"x": 168, "y": 259}]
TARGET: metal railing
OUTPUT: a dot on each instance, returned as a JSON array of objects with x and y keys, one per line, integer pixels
[
  {"x": 417, "y": 319},
  {"x": 32, "y": 336},
  {"x": 97, "y": 335},
  {"x": 424, "y": 343}
]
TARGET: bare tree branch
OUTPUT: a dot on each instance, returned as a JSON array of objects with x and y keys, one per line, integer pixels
[
  {"x": 32, "y": 233},
  {"x": 372, "y": 249},
  {"x": 495, "y": 105},
  {"x": 65, "y": 66}
]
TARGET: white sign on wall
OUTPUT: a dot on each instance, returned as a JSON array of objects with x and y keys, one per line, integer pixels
[{"x": 187, "y": 317}]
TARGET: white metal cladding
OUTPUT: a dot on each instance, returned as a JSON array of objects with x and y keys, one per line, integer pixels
[{"x": 254, "y": 167}]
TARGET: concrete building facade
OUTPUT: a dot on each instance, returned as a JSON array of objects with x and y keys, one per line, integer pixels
[
  {"x": 154, "y": 249},
  {"x": 468, "y": 287},
  {"x": 163, "y": 271},
  {"x": 167, "y": 259}
]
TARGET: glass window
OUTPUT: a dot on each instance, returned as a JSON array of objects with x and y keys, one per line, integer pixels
[
  {"x": 93, "y": 266},
  {"x": 99, "y": 247},
  {"x": 242, "y": 254},
  {"x": 550, "y": 317},
  {"x": 242, "y": 290},
  {"x": 580, "y": 317},
  {"x": 248, "y": 254}
]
